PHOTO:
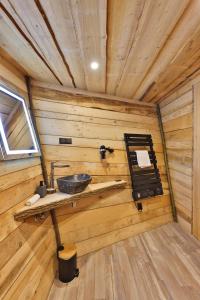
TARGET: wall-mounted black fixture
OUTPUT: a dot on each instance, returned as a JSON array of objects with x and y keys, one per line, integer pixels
[
  {"x": 103, "y": 150},
  {"x": 63, "y": 141}
]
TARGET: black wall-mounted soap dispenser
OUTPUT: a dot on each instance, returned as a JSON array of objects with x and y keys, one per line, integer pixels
[{"x": 103, "y": 150}]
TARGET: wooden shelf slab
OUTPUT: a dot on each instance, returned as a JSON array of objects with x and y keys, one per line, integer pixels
[{"x": 59, "y": 199}]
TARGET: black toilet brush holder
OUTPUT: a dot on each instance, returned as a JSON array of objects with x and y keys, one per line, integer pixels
[{"x": 67, "y": 263}]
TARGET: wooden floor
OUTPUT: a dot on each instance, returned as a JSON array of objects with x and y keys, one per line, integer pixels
[{"x": 160, "y": 264}]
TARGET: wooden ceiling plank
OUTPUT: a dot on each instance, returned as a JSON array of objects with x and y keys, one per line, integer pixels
[
  {"x": 46, "y": 20},
  {"x": 90, "y": 24},
  {"x": 60, "y": 17},
  {"x": 123, "y": 18},
  {"x": 9, "y": 72},
  {"x": 5, "y": 56},
  {"x": 36, "y": 26},
  {"x": 16, "y": 46},
  {"x": 180, "y": 37},
  {"x": 152, "y": 45},
  {"x": 10, "y": 9},
  {"x": 185, "y": 65},
  {"x": 156, "y": 23}
]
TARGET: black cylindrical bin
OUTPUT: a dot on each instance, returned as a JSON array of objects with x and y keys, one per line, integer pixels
[{"x": 67, "y": 263}]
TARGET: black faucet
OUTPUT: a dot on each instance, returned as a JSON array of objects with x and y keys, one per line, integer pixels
[
  {"x": 103, "y": 150},
  {"x": 53, "y": 166}
]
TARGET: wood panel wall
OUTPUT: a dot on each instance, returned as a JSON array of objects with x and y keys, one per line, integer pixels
[
  {"x": 107, "y": 218},
  {"x": 27, "y": 267},
  {"x": 196, "y": 162},
  {"x": 177, "y": 116}
]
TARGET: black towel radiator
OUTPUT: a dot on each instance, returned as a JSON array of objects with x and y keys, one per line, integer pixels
[{"x": 145, "y": 182}]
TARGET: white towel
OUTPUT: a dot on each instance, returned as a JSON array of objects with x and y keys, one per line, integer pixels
[
  {"x": 143, "y": 158},
  {"x": 33, "y": 199}
]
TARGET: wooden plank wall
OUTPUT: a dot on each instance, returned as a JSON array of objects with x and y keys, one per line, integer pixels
[
  {"x": 27, "y": 267},
  {"x": 107, "y": 218},
  {"x": 196, "y": 162},
  {"x": 177, "y": 116}
]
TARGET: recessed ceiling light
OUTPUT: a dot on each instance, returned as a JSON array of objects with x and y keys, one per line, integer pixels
[{"x": 94, "y": 65}]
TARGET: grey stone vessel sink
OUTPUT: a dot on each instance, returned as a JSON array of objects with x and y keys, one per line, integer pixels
[{"x": 73, "y": 184}]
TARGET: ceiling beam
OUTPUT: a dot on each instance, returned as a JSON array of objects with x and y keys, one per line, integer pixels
[{"x": 80, "y": 92}]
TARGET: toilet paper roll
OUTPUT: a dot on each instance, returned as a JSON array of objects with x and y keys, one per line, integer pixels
[{"x": 33, "y": 199}]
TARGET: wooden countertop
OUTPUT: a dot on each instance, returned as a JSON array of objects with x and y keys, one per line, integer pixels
[{"x": 59, "y": 199}]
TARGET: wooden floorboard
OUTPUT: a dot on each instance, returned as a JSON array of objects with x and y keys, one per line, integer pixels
[{"x": 160, "y": 264}]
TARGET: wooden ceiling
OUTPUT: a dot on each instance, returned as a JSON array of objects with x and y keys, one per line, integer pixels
[{"x": 145, "y": 48}]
